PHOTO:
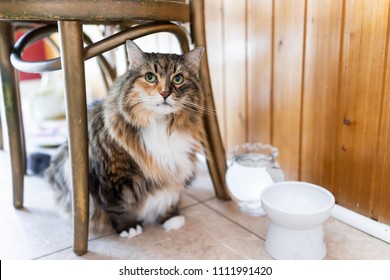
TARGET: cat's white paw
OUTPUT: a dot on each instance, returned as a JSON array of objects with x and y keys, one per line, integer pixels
[
  {"x": 132, "y": 232},
  {"x": 139, "y": 229},
  {"x": 174, "y": 223},
  {"x": 124, "y": 234}
]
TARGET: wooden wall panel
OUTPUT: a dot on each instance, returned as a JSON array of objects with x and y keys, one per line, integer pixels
[
  {"x": 234, "y": 20},
  {"x": 259, "y": 55},
  {"x": 311, "y": 77},
  {"x": 215, "y": 49},
  {"x": 360, "y": 102},
  {"x": 381, "y": 195},
  {"x": 287, "y": 82},
  {"x": 322, "y": 48}
]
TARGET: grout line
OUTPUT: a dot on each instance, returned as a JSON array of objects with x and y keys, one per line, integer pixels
[
  {"x": 102, "y": 236},
  {"x": 70, "y": 247},
  {"x": 233, "y": 221},
  {"x": 197, "y": 199},
  {"x": 52, "y": 253},
  {"x": 190, "y": 205},
  {"x": 203, "y": 202}
]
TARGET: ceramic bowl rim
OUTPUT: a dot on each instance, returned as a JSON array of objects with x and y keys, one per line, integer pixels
[{"x": 266, "y": 203}]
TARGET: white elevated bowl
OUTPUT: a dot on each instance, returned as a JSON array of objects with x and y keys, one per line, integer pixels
[{"x": 296, "y": 211}]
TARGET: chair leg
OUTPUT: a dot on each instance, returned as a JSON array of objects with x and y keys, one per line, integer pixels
[
  {"x": 13, "y": 113},
  {"x": 72, "y": 61},
  {"x": 217, "y": 162}
]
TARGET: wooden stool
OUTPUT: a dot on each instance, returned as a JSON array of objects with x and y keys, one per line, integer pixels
[{"x": 153, "y": 16}]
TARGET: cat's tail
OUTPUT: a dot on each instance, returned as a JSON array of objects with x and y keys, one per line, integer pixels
[{"x": 58, "y": 175}]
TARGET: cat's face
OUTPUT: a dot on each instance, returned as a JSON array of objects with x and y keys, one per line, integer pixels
[{"x": 164, "y": 83}]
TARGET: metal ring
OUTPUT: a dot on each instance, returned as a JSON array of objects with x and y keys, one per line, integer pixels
[{"x": 92, "y": 50}]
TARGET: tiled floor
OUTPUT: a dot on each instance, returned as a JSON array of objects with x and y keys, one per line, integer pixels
[{"x": 214, "y": 229}]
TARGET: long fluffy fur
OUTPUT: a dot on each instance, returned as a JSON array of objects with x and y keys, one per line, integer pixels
[{"x": 130, "y": 181}]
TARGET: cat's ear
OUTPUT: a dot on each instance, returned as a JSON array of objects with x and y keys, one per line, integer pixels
[
  {"x": 135, "y": 54},
  {"x": 194, "y": 57}
]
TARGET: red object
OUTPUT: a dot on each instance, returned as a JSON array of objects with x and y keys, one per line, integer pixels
[{"x": 35, "y": 52}]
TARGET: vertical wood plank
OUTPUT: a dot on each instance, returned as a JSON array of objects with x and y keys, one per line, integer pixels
[
  {"x": 323, "y": 28},
  {"x": 334, "y": 129},
  {"x": 382, "y": 175},
  {"x": 215, "y": 49},
  {"x": 235, "y": 71},
  {"x": 360, "y": 102},
  {"x": 259, "y": 70},
  {"x": 287, "y": 82}
]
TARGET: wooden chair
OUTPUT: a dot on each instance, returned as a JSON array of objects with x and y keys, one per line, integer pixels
[{"x": 151, "y": 16}]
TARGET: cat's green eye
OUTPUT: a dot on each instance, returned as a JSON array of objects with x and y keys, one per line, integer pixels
[
  {"x": 178, "y": 79},
  {"x": 150, "y": 77}
]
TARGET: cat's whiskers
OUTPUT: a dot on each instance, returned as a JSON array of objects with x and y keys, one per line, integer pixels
[
  {"x": 195, "y": 107},
  {"x": 137, "y": 101}
]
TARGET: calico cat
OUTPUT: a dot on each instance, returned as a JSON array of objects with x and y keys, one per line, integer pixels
[{"x": 143, "y": 142}]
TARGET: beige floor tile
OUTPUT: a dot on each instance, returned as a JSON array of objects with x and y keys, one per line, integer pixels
[
  {"x": 214, "y": 229},
  {"x": 347, "y": 243},
  {"x": 35, "y": 230},
  {"x": 206, "y": 235},
  {"x": 256, "y": 224},
  {"x": 343, "y": 242},
  {"x": 187, "y": 200}
]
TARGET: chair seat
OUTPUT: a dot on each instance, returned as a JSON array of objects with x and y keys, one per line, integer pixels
[{"x": 95, "y": 10}]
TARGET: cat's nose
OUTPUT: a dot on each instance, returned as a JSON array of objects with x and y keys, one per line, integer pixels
[{"x": 165, "y": 94}]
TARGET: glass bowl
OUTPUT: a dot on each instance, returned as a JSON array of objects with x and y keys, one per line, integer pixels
[{"x": 251, "y": 168}]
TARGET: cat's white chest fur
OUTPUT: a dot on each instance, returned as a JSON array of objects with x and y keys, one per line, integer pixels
[{"x": 172, "y": 151}]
